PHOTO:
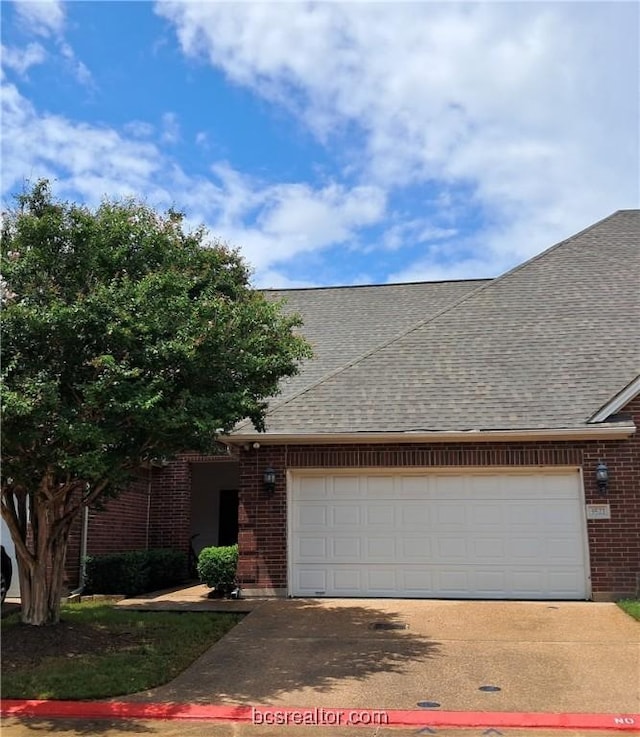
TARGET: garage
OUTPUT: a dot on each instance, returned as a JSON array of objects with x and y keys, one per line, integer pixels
[{"x": 517, "y": 534}]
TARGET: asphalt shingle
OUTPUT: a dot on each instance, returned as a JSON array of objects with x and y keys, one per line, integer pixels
[{"x": 544, "y": 346}]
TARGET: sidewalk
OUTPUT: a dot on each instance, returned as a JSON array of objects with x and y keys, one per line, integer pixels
[{"x": 193, "y": 598}]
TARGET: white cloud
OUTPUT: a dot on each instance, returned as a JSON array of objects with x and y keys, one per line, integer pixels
[
  {"x": 139, "y": 129},
  {"x": 276, "y": 222},
  {"x": 21, "y": 60},
  {"x": 170, "y": 128},
  {"x": 272, "y": 279},
  {"x": 42, "y": 17},
  {"x": 78, "y": 68},
  {"x": 87, "y": 160},
  {"x": 531, "y": 108},
  {"x": 271, "y": 223},
  {"x": 415, "y": 231}
]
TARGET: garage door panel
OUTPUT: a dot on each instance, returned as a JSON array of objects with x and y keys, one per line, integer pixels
[
  {"x": 488, "y": 549},
  {"x": 558, "y": 515},
  {"x": 450, "y": 515},
  {"x": 381, "y": 548},
  {"x": 414, "y": 515},
  {"x": 480, "y": 535},
  {"x": 524, "y": 549},
  {"x": 451, "y": 549},
  {"x": 487, "y": 516},
  {"x": 311, "y": 549},
  {"x": 346, "y": 515},
  {"x": 416, "y": 548},
  {"x": 348, "y": 487},
  {"x": 346, "y": 549},
  {"x": 314, "y": 487},
  {"x": 453, "y": 580},
  {"x": 311, "y": 581},
  {"x": 381, "y": 581},
  {"x": 561, "y": 550},
  {"x": 414, "y": 487},
  {"x": 380, "y": 487},
  {"x": 311, "y": 515},
  {"x": 417, "y": 582},
  {"x": 346, "y": 579},
  {"x": 524, "y": 514},
  {"x": 491, "y": 582},
  {"x": 381, "y": 515},
  {"x": 564, "y": 578}
]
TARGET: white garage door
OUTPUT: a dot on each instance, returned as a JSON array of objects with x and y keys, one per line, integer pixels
[{"x": 507, "y": 535}]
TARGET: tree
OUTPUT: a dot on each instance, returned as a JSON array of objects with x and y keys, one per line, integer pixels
[{"x": 125, "y": 338}]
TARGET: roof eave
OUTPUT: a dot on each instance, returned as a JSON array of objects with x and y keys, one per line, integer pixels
[
  {"x": 621, "y": 399},
  {"x": 618, "y": 431}
]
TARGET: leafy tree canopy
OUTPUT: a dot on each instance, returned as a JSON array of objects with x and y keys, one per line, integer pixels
[{"x": 124, "y": 338}]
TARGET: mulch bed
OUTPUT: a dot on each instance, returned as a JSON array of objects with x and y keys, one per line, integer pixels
[{"x": 24, "y": 645}]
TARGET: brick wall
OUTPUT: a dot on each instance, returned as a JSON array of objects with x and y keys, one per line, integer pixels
[
  {"x": 142, "y": 516},
  {"x": 120, "y": 524},
  {"x": 170, "y": 506},
  {"x": 170, "y": 518},
  {"x": 262, "y": 521},
  {"x": 117, "y": 525},
  {"x": 614, "y": 544}
]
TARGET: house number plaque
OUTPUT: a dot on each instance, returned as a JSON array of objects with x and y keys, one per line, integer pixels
[{"x": 598, "y": 511}]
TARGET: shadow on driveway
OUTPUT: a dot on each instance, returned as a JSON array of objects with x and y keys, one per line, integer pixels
[{"x": 298, "y": 645}]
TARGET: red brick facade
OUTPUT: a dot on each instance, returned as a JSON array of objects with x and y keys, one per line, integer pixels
[
  {"x": 154, "y": 512},
  {"x": 137, "y": 520},
  {"x": 120, "y": 524},
  {"x": 614, "y": 544}
]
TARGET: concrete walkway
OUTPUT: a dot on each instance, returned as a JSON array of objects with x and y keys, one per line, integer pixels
[
  {"x": 398, "y": 654},
  {"x": 193, "y": 598}
]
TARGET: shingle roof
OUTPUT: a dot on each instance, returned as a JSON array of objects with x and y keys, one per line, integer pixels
[
  {"x": 344, "y": 323},
  {"x": 544, "y": 346}
]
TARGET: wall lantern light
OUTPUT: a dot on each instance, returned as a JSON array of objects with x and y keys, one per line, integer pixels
[
  {"x": 269, "y": 479},
  {"x": 602, "y": 477}
]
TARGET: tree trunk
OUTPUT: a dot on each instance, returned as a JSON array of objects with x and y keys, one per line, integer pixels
[
  {"x": 41, "y": 584},
  {"x": 40, "y": 537}
]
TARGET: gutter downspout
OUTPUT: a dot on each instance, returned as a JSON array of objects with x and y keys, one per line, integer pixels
[
  {"x": 84, "y": 535},
  {"x": 149, "y": 481}
]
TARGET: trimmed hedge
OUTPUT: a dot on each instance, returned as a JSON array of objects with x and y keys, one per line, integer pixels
[
  {"x": 217, "y": 565},
  {"x": 134, "y": 572}
]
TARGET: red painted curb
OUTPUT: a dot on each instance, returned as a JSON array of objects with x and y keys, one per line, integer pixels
[{"x": 283, "y": 716}]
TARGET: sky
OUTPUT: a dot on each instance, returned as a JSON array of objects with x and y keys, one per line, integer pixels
[{"x": 334, "y": 143}]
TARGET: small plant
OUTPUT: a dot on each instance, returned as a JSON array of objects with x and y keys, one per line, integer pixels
[{"x": 217, "y": 568}]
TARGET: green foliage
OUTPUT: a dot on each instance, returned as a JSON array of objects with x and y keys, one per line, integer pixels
[
  {"x": 134, "y": 572},
  {"x": 126, "y": 338},
  {"x": 145, "y": 649},
  {"x": 217, "y": 565},
  {"x": 631, "y": 607}
]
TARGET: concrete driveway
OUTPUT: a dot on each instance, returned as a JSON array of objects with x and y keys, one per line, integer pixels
[{"x": 405, "y": 654}]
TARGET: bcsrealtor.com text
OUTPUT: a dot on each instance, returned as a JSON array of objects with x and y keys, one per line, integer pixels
[{"x": 319, "y": 716}]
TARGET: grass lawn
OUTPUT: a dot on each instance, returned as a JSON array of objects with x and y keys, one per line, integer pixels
[
  {"x": 631, "y": 606},
  {"x": 99, "y": 651}
]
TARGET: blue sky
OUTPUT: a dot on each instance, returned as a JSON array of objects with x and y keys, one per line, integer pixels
[{"x": 334, "y": 143}]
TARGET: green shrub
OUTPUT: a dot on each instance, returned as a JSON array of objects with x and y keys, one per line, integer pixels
[
  {"x": 166, "y": 567},
  {"x": 217, "y": 565},
  {"x": 134, "y": 572}
]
